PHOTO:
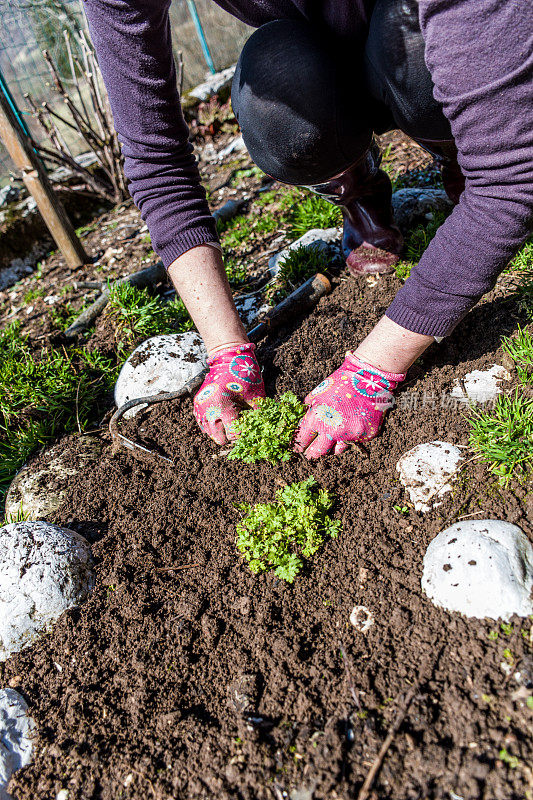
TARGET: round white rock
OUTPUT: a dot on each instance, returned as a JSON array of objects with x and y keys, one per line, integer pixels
[
  {"x": 480, "y": 568},
  {"x": 160, "y": 364},
  {"x": 44, "y": 570},
  {"x": 16, "y": 732},
  {"x": 426, "y": 472}
]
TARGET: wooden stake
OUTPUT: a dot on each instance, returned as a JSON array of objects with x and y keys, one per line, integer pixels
[{"x": 20, "y": 148}]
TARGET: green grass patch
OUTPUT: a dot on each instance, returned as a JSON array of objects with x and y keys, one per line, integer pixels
[
  {"x": 301, "y": 263},
  {"x": 312, "y": 211},
  {"x": 31, "y": 295},
  {"x": 520, "y": 348},
  {"x": 278, "y": 536},
  {"x": 503, "y": 439},
  {"x": 235, "y": 271},
  {"x": 523, "y": 261},
  {"x": 44, "y": 394},
  {"x": 136, "y": 313},
  {"x": 266, "y": 433}
]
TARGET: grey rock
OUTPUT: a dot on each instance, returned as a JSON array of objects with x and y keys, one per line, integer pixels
[
  {"x": 30, "y": 494},
  {"x": 413, "y": 206}
]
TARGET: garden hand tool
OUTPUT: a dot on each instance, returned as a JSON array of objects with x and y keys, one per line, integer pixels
[
  {"x": 234, "y": 382},
  {"x": 348, "y": 406}
]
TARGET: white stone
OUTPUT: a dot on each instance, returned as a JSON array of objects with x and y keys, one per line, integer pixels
[
  {"x": 251, "y": 307},
  {"x": 44, "y": 570},
  {"x": 16, "y": 737},
  {"x": 213, "y": 84},
  {"x": 30, "y": 494},
  {"x": 426, "y": 472},
  {"x": 235, "y": 146},
  {"x": 63, "y": 794},
  {"x": 480, "y": 568},
  {"x": 321, "y": 238},
  {"x": 160, "y": 364},
  {"x": 480, "y": 385},
  {"x": 361, "y": 618}
]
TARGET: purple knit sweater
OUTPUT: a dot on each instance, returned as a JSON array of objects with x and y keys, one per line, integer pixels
[{"x": 480, "y": 55}]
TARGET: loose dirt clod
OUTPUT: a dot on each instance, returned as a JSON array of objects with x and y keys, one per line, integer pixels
[{"x": 481, "y": 568}]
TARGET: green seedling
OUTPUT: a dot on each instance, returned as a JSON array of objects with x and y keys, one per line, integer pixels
[
  {"x": 278, "y": 536},
  {"x": 235, "y": 271},
  {"x": 529, "y": 702},
  {"x": 401, "y": 509},
  {"x": 512, "y": 761},
  {"x": 504, "y": 438},
  {"x": 507, "y": 628},
  {"x": 266, "y": 433},
  {"x": 493, "y": 636},
  {"x": 298, "y": 265}
]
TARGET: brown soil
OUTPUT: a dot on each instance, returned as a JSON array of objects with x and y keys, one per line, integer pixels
[{"x": 185, "y": 676}]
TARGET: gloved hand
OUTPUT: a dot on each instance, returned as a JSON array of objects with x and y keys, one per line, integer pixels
[
  {"x": 234, "y": 382},
  {"x": 349, "y": 406}
]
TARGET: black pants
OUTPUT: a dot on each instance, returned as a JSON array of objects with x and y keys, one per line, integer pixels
[{"x": 307, "y": 107}]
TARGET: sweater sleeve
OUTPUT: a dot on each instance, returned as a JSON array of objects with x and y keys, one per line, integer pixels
[
  {"x": 133, "y": 42},
  {"x": 480, "y": 55}
]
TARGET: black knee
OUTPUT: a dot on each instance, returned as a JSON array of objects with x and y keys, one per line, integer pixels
[
  {"x": 396, "y": 73},
  {"x": 295, "y": 115}
]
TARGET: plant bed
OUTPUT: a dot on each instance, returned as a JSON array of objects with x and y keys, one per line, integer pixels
[{"x": 139, "y": 692}]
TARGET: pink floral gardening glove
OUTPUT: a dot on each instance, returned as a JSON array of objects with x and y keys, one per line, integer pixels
[
  {"x": 234, "y": 382},
  {"x": 349, "y": 406}
]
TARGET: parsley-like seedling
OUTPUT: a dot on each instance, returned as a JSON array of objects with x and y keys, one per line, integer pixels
[
  {"x": 266, "y": 433},
  {"x": 277, "y": 536}
]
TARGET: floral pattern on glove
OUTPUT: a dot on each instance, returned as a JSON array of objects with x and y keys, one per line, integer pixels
[
  {"x": 234, "y": 381},
  {"x": 348, "y": 406}
]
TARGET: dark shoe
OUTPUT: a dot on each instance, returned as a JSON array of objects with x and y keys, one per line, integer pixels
[
  {"x": 371, "y": 242},
  {"x": 445, "y": 152}
]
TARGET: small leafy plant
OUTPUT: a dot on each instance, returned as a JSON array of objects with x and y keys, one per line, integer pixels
[
  {"x": 278, "y": 536},
  {"x": 266, "y": 433}
]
